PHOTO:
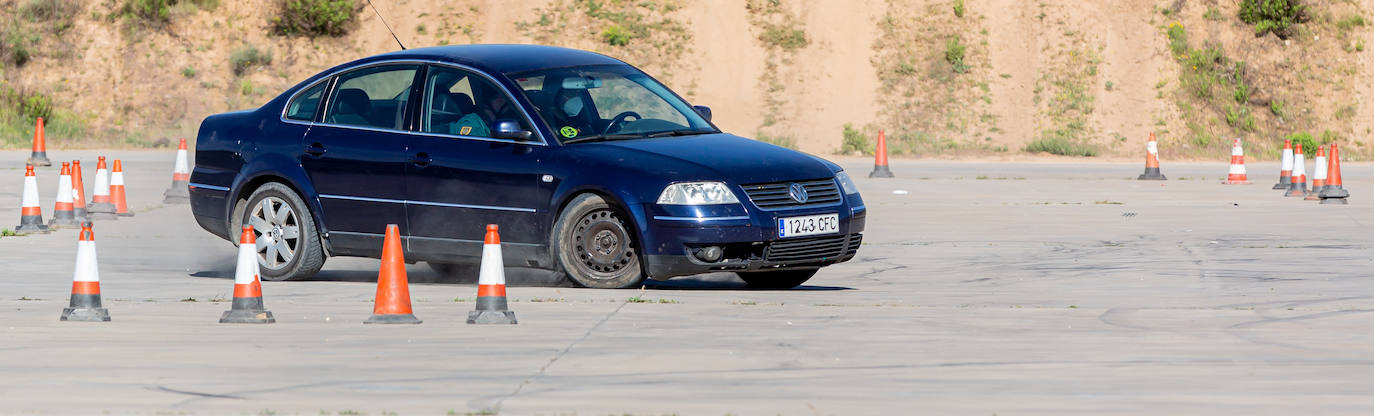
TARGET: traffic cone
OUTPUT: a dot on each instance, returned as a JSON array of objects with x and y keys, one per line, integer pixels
[
  {"x": 1286, "y": 168},
  {"x": 178, "y": 193},
  {"x": 31, "y": 212},
  {"x": 1151, "y": 161},
  {"x": 63, "y": 212},
  {"x": 491, "y": 284},
  {"x": 79, "y": 194},
  {"x": 85, "y": 303},
  {"x": 880, "y": 169},
  {"x": 1334, "y": 193},
  {"x": 392, "y": 304},
  {"x": 117, "y": 196},
  {"x": 101, "y": 207},
  {"x": 247, "y": 307},
  {"x": 39, "y": 157},
  {"x": 1318, "y": 175},
  {"x": 1298, "y": 187},
  {"x": 1236, "y": 176}
]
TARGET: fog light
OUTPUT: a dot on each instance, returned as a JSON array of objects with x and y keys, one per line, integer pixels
[{"x": 710, "y": 254}]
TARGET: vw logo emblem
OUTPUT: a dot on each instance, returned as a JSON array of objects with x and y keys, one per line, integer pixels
[{"x": 798, "y": 193}]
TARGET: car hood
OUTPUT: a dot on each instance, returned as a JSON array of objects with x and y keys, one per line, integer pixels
[{"x": 717, "y": 156}]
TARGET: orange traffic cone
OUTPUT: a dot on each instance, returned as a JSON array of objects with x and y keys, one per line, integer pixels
[
  {"x": 392, "y": 304},
  {"x": 79, "y": 194},
  {"x": 1334, "y": 193},
  {"x": 117, "y": 196},
  {"x": 101, "y": 207},
  {"x": 880, "y": 169},
  {"x": 1236, "y": 176},
  {"x": 247, "y": 307},
  {"x": 30, "y": 211},
  {"x": 1318, "y": 175},
  {"x": 1299, "y": 186},
  {"x": 39, "y": 157},
  {"x": 179, "y": 192},
  {"x": 1286, "y": 167},
  {"x": 491, "y": 284},
  {"x": 1151, "y": 161},
  {"x": 85, "y": 302},
  {"x": 64, "y": 214}
]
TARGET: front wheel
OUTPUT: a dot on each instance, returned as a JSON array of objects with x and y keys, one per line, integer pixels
[
  {"x": 595, "y": 246},
  {"x": 781, "y": 279},
  {"x": 288, "y": 244}
]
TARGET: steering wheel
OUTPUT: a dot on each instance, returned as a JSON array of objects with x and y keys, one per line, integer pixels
[{"x": 620, "y": 119}]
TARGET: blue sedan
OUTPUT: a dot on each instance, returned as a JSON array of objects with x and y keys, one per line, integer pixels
[{"x": 590, "y": 167}]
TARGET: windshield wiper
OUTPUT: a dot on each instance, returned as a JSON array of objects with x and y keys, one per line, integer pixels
[
  {"x": 679, "y": 133},
  {"x": 600, "y": 137}
]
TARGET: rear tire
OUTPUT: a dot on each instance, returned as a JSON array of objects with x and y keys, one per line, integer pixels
[
  {"x": 595, "y": 246},
  {"x": 781, "y": 279},
  {"x": 282, "y": 218}
]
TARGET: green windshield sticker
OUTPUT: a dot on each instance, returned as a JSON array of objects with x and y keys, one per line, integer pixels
[{"x": 568, "y": 131}]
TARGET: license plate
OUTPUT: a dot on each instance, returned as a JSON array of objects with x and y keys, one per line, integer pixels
[{"x": 808, "y": 225}]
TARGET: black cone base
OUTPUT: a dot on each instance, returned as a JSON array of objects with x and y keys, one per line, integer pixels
[
  {"x": 32, "y": 228},
  {"x": 880, "y": 172},
  {"x": 39, "y": 159},
  {"x": 1152, "y": 174},
  {"x": 491, "y": 317},
  {"x": 247, "y": 316},
  {"x": 393, "y": 319},
  {"x": 1283, "y": 184},
  {"x": 86, "y": 314}
]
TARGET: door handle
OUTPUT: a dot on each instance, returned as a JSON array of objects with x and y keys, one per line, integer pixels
[
  {"x": 421, "y": 159},
  {"x": 315, "y": 149}
]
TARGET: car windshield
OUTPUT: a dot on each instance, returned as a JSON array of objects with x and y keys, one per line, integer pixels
[{"x": 607, "y": 102}]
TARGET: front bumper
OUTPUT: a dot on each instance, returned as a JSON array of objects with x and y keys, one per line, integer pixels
[{"x": 748, "y": 237}]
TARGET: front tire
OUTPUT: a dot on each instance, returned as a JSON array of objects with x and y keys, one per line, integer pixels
[
  {"x": 594, "y": 245},
  {"x": 288, "y": 245},
  {"x": 781, "y": 279}
]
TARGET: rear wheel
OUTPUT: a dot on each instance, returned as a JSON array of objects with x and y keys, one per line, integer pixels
[
  {"x": 288, "y": 244},
  {"x": 594, "y": 245},
  {"x": 781, "y": 279}
]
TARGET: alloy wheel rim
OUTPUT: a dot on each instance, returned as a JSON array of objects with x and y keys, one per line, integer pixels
[{"x": 277, "y": 230}]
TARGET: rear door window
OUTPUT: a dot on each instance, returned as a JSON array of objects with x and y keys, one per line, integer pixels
[
  {"x": 307, "y": 103},
  {"x": 372, "y": 97}
]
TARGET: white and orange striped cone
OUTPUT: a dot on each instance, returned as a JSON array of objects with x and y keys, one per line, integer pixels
[
  {"x": 247, "y": 307},
  {"x": 63, "y": 212},
  {"x": 1318, "y": 175},
  {"x": 1152, "y": 161},
  {"x": 1236, "y": 175},
  {"x": 491, "y": 284},
  {"x": 79, "y": 193},
  {"x": 100, "y": 195},
  {"x": 179, "y": 192},
  {"x": 1286, "y": 166},
  {"x": 1299, "y": 186},
  {"x": 117, "y": 196},
  {"x": 85, "y": 303},
  {"x": 30, "y": 211}
]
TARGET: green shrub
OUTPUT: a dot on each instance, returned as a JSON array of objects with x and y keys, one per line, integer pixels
[
  {"x": 1305, "y": 139},
  {"x": 616, "y": 36},
  {"x": 34, "y": 106},
  {"x": 315, "y": 17},
  {"x": 49, "y": 10},
  {"x": 17, "y": 44},
  {"x": 188, "y": 72},
  {"x": 959, "y": 8},
  {"x": 954, "y": 54},
  {"x": 1178, "y": 39},
  {"x": 1061, "y": 146},
  {"x": 161, "y": 10},
  {"x": 783, "y": 141},
  {"x": 1212, "y": 13},
  {"x": 784, "y": 37},
  {"x": 246, "y": 57},
  {"x": 1273, "y": 16},
  {"x": 1350, "y": 22},
  {"x": 855, "y": 141}
]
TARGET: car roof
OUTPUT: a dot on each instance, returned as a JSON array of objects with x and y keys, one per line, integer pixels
[{"x": 503, "y": 59}]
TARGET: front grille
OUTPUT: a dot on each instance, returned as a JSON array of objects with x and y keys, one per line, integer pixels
[
  {"x": 813, "y": 249},
  {"x": 820, "y": 192}
]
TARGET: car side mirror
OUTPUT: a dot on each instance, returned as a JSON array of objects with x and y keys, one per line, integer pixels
[
  {"x": 509, "y": 129},
  {"x": 704, "y": 111}
]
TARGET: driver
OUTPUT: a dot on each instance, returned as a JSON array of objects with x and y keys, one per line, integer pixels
[
  {"x": 568, "y": 113},
  {"x": 494, "y": 106}
]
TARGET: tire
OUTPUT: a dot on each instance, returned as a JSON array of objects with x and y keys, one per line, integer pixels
[
  {"x": 305, "y": 252},
  {"x": 613, "y": 263},
  {"x": 781, "y": 279}
]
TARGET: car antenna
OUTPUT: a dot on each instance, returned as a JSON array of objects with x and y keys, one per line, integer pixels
[{"x": 388, "y": 27}]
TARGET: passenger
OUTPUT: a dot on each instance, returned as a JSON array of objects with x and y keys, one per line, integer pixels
[{"x": 478, "y": 123}]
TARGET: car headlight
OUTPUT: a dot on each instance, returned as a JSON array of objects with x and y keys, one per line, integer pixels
[
  {"x": 697, "y": 193},
  {"x": 846, "y": 184}
]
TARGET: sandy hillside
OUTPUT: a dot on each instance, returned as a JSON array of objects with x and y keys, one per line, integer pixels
[{"x": 793, "y": 72}]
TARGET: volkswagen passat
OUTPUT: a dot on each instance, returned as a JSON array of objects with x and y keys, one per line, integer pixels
[{"x": 589, "y": 166}]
